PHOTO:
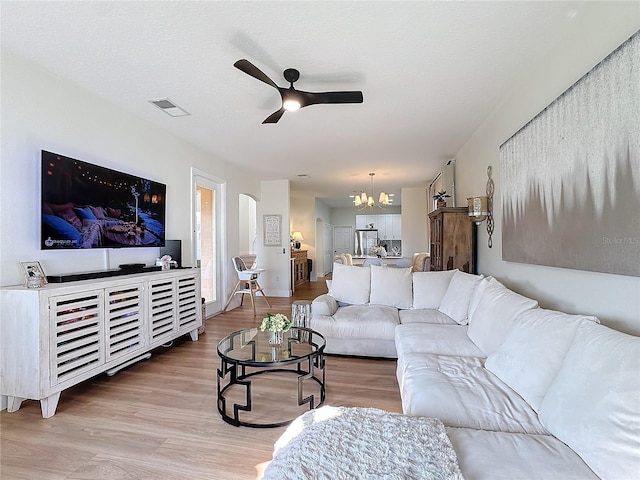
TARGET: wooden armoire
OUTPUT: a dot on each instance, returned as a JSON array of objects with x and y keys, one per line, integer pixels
[{"x": 453, "y": 240}]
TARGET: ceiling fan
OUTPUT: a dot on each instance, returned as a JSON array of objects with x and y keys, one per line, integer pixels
[{"x": 293, "y": 99}]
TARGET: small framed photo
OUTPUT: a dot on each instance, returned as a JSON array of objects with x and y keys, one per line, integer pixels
[{"x": 33, "y": 274}]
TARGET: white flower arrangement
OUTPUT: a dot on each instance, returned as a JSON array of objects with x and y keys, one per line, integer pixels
[
  {"x": 276, "y": 322},
  {"x": 378, "y": 251}
]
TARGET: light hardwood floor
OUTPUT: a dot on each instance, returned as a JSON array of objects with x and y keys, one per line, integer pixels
[{"x": 157, "y": 420}]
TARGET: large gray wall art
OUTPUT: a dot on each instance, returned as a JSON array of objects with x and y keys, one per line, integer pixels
[{"x": 571, "y": 176}]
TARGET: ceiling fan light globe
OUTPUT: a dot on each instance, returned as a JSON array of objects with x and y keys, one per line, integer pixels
[{"x": 291, "y": 105}]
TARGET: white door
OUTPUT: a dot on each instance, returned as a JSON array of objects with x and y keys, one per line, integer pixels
[
  {"x": 343, "y": 239},
  {"x": 207, "y": 238},
  {"x": 327, "y": 236}
]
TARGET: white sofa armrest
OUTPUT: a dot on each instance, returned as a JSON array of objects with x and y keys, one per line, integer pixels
[{"x": 324, "y": 305}]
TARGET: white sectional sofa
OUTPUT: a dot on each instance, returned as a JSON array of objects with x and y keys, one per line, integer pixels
[
  {"x": 524, "y": 392},
  {"x": 365, "y": 304}
]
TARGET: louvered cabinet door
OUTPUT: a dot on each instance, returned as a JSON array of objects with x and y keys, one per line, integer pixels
[
  {"x": 189, "y": 303},
  {"x": 77, "y": 335},
  {"x": 162, "y": 310},
  {"x": 124, "y": 311}
]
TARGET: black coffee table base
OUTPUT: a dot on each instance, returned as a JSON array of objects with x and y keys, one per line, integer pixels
[{"x": 235, "y": 373}]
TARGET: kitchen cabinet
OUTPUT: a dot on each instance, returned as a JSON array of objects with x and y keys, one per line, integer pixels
[
  {"x": 389, "y": 225},
  {"x": 396, "y": 227}
]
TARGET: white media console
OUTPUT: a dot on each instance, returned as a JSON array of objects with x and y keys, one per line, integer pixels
[{"x": 59, "y": 335}]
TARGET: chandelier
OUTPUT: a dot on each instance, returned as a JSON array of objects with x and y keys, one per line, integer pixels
[{"x": 362, "y": 200}]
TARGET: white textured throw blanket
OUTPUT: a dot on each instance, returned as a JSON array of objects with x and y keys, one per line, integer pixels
[{"x": 339, "y": 443}]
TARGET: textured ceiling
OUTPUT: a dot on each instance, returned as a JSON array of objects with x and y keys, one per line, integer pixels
[{"x": 430, "y": 72}]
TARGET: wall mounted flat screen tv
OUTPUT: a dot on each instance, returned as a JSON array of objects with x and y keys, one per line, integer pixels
[{"x": 89, "y": 206}]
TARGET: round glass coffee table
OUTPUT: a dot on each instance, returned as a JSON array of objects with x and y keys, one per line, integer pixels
[{"x": 262, "y": 384}]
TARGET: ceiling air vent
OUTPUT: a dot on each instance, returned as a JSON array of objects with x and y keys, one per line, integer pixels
[{"x": 170, "y": 108}]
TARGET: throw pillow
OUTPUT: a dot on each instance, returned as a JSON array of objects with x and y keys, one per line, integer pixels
[
  {"x": 99, "y": 212},
  {"x": 477, "y": 294},
  {"x": 429, "y": 288},
  {"x": 85, "y": 213},
  {"x": 70, "y": 216},
  {"x": 56, "y": 208},
  {"x": 46, "y": 209},
  {"x": 114, "y": 212},
  {"x": 350, "y": 284},
  {"x": 592, "y": 404},
  {"x": 60, "y": 229},
  {"x": 533, "y": 351},
  {"x": 391, "y": 286},
  {"x": 455, "y": 302},
  {"x": 497, "y": 309}
]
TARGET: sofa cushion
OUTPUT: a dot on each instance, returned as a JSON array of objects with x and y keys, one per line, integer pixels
[
  {"x": 535, "y": 335},
  {"x": 497, "y": 309},
  {"x": 358, "y": 321},
  {"x": 485, "y": 455},
  {"x": 432, "y": 338},
  {"x": 462, "y": 393},
  {"x": 350, "y": 284},
  {"x": 435, "y": 339},
  {"x": 363, "y": 347},
  {"x": 391, "y": 287},
  {"x": 455, "y": 302},
  {"x": 429, "y": 288},
  {"x": 592, "y": 404},
  {"x": 427, "y": 315}
]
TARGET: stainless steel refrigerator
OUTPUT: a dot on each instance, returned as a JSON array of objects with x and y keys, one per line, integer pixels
[{"x": 365, "y": 239}]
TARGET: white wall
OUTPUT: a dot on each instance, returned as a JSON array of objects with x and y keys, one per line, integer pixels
[
  {"x": 42, "y": 111},
  {"x": 323, "y": 217},
  {"x": 415, "y": 235},
  {"x": 615, "y": 299},
  {"x": 247, "y": 229},
  {"x": 303, "y": 220},
  {"x": 274, "y": 200}
]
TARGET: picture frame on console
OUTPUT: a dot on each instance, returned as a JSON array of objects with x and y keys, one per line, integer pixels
[{"x": 34, "y": 276}]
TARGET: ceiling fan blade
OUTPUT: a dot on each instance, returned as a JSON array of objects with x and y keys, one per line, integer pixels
[
  {"x": 250, "y": 69},
  {"x": 274, "y": 117},
  {"x": 311, "y": 98}
]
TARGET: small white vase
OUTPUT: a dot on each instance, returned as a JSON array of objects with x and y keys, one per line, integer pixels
[{"x": 276, "y": 338}]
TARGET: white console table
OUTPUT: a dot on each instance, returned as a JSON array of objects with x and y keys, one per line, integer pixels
[{"x": 59, "y": 335}]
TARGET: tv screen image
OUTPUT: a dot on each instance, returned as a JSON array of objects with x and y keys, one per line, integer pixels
[{"x": 89, "y": 206}]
